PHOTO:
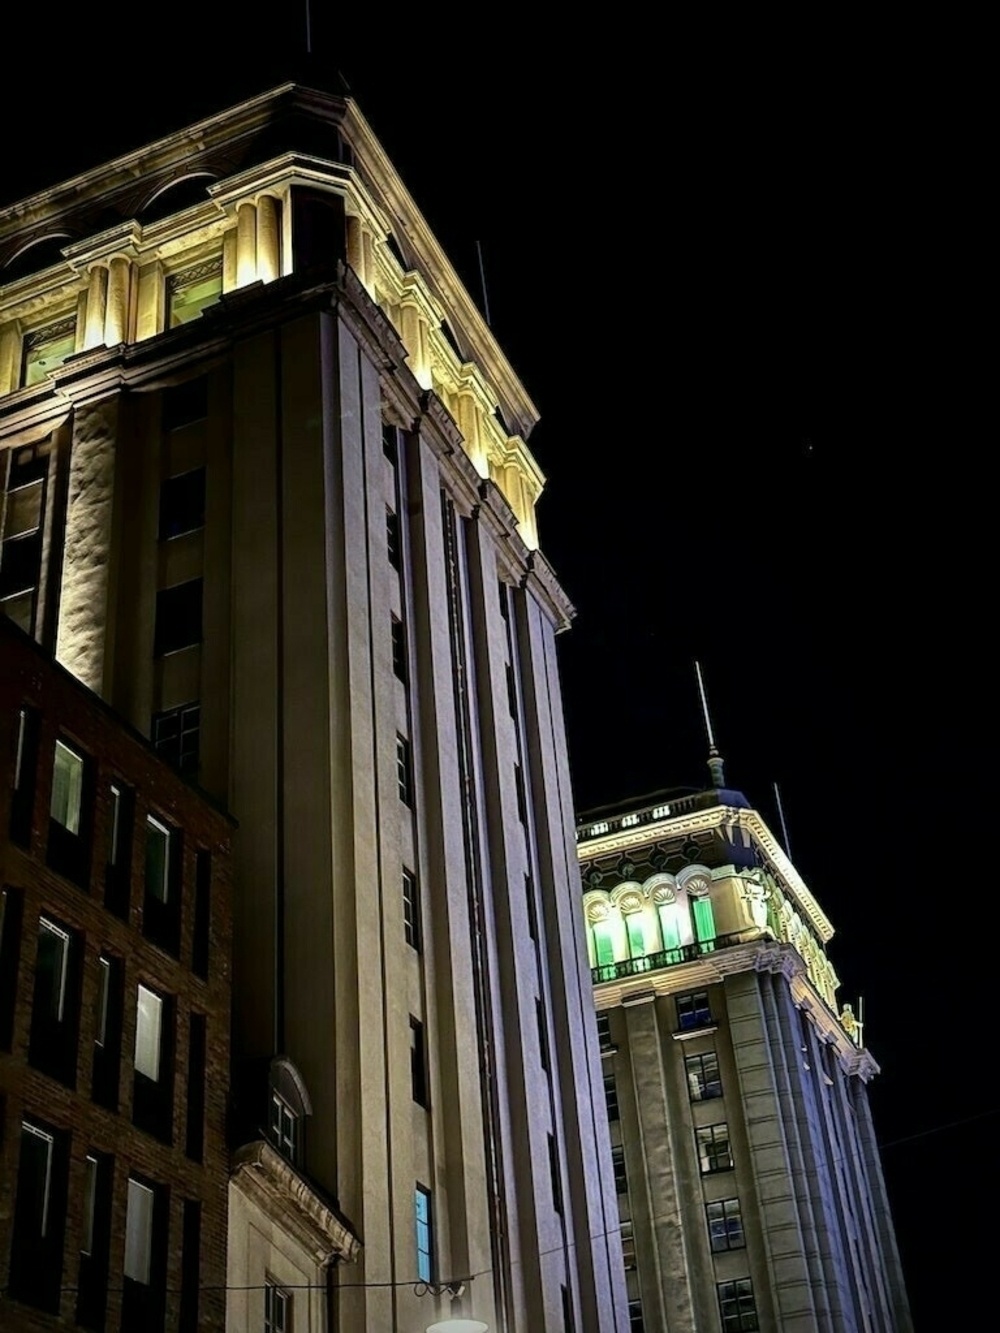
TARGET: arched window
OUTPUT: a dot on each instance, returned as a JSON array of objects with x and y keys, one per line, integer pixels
[
  {"x": 670, "y": 928},
  {"x": 288, "y": 1106},
  {"x": 604, "y": 946},
  {"x": 634, "y": 927}
]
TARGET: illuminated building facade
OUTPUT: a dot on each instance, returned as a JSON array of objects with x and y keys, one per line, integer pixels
[
  {"x": 748, "y": 1177},
  {"x": 267, "y": 493},
  {"x": 115, "y": 978}
]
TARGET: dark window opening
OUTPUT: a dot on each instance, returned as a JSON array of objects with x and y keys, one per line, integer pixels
[
  {"x": 703, "y": 1077},
  {"x": 390, "y": 442},
  {"x": 618, "y": 1166},
  {"x": 392, "y": 537},
  {"x": 55, "y": 1012},
  {"x": 161, "y": 909},
  {"x": 611, "y": 1098},
  {"x": 737, "y": 1306},
  {"x": 411, "y": 909},
  {"x": 109, "y": 1008},
  {"x": 543, "y": 1035},
  {"x": 185, "y": 403},
  {"x": 399, "y": 649},
  {"x": 190, "y": 1267},
  {"x": 693, "y": 1011},
  {"x": 25, "y": 772},
  {"x": 554, "y": 1174},
  {"x": 182, "y": 504},
  {"x": 95, "y": 1242},
  {"x": 404, "y": 774},
  {"x": 178, "y": 617},
  {"x": 118, "y": 867},
  {"x": 36, "y": 1248},
  {"x": 176, "y": 736},
  {"x": 145, "y": 1272},
  {"x": 418, "y": 1062}
]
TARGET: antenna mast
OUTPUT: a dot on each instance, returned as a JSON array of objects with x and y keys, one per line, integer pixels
[
  {"x": 714, "y": 758},
  {"x": 781, "y": 817}
]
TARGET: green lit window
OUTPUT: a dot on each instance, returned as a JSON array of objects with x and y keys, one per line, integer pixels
[
  {"x": 67, "y": 788},
  {"x": 670, "y": 927},
  {"x": 47, "y": 348},
  {"x": 193, "y": 290},
  {"x": 704, "y": 921},
  {"x": 604, "y": 949},
  {"x": 636, "y": 936}
]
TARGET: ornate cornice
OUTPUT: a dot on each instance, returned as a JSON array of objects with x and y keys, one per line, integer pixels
[{"x": 288, "y": 1199}]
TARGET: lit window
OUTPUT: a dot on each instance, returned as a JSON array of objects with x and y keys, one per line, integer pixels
[
  {"x": 424, "y": 1233},
  {"x": 36, "y": 1151},
  {"x": 193, "y": 290},
  {"x": 277, "y": 1309},
  {"x": 704, "y": 921},
  {"x": 714, "y": 1150},
  {"x": 693, "y": 1011},
  {"x": 629, "y": 821},
  {"x": 67, "y": 788},
  {"x": 138, "y": 1231},
  {"x": 157, "y": 860},
  {"x": 148, "y": 1033},
  {"x": 703, "y": 1076},
  {"x": 46, "y": 349},
  {"x": 725, "y": 1225},
  {"x": 737, "y": 1306},
  {"x": 50, "y": 974},
  {"x": 604, "y": 945},
  {"x": 636, "y": 935},
  {"x": 283, "y": 1127}
]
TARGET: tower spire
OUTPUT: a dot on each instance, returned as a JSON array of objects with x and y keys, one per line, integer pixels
[{"x": 714, "y": 758}]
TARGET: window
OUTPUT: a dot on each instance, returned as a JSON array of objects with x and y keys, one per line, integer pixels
[
  {"x": 611, "y": 1098},
  {"x": 392, "y": 537},
  {"x": 25, "y": 763},
  {"x": 670, "y": 929},
  {"x": 21, "y": 535},
  {"x": 161, "y": 918},
  {"x": 182, "y": 504},
  {"x": 418, "y": 1061},
  {"x": 411, "y": 909},
  {"x": 714, "y": 1151},
  {"x": 36, "y": 1248},
  {"x": 89, "y": 1195},
  {"x": 145, "y": 1269},
  {"x": 636, "y": 935},
  {"x": 404, "y": 781},
  {"x": 10, "y": 941},
  {"x": 511, "y": 690},
  {"x": 185, "y": 403},
  {"x": 45, "y": 349},
  {"x": 522, "y": 803},
  {"x": 283, "y": 1127},
  {"x": 193, "y": 290},
  {"x": 529, "y": 898},
  {"x": 604, "y": 945},
  {"x": 618, "y": 1166},
  {"x": 725, "y": 1225},
  {"x": 277, "y": 1309},
  {"x": 108, "y": 1006},
  {"x": 704, "y": 922},
  {"x": 628, "y": 1245},
  {"x": 567, "y": 1310},
  {"x": 604, "y": 1032},
  {"x": 635, "y": 1323},
  {"x": 398, "y": 649},
  {"x": 390, "y": 442},
  {"x": 68, "y": 852},
  {"x": 178, "y": 617},
  {"x": 554, "y": 1174},
  {"x": 194, "y": 1140},
  {"x": 703, "y": 1076},
  {"x": 176, "y": 736},
  {"x": 95, "y": 1242},
  {"x": 693, "y": 1011},
  {"x": 424, "y": 1234},
  {"x": 55, "y": 1008},
  {"x": 737, "y": 1306},
  {"x": 118, "y": 868},
  {"x": 152, "y": 1094}
]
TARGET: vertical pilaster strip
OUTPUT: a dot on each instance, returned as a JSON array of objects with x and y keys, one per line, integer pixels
[
  {"x": 97, "y": 300},
  {"x": 268, "y": 252},
  {"x": 246, "y": 244},
  {"x": 116, "y": 308}
]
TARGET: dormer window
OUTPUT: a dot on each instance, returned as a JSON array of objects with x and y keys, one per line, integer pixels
[
  {"x": 283, "y": 1127},
  {"x": 287, "y": 1107}
]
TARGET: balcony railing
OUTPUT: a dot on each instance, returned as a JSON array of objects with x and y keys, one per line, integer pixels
[{"x": 653, "y": 962}]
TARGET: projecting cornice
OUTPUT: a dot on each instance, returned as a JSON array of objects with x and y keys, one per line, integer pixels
[{"x": 288, "y": 1199}]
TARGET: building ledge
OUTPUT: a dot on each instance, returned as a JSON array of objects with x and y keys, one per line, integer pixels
[{"x": 273, "y": 1184}]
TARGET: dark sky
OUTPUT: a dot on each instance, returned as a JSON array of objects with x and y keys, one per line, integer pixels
[{"x": 741, "y": 272}]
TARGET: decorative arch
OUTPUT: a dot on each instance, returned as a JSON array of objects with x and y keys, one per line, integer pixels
[
  {"x": 38, "y": 253},
  {"x": 288, "y": 1105},
  {"x": 697, "y": 883},
  {"x": 176, "y": 194}
]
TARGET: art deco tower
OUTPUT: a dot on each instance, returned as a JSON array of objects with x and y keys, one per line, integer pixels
[
  {"x": 748, "y": 1176},
  {"x": 267, "y": 493}
]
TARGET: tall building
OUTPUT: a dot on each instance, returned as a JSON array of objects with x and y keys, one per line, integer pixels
[
  {"x": 114, "y": 1018},
  {"x": 283, "y": 522},
  {"x": 749, "y": 1182}
]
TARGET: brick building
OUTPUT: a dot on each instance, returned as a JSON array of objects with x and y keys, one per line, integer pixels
[{"x": 115, "y": 942}]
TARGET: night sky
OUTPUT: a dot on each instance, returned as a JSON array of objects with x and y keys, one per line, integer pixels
[{"x": 741, "y": 275}]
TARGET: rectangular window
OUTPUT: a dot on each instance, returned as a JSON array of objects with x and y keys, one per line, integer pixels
[
  {"x": 611, "y": 1098},
  {"x": 157, "y": 860},
  {"x": 185, "y": 403},
  {"x": 522, "y": 803},
  {"x": 567, "y": 1309},
  {"x": 95, "y": 1242},
  {"x": 21, "y": 520},
  {"x": 543, "y": 1035},
  {"x": 618, "y": 1166},
  {"x": 411, "y": 909},
  {"x": 392, "y": 537},
  {"x": 10, "y": 949},
  {"x": 628, "y": 1245},
  {"x": 725, "y": 1225},
  {"x": 714, "y": 1150},
  {"x": 604, "y": 1032},
  {"x": 635, "y": 1323},
  {"x": 45, "y": 349},
  {"x": 55, "y": 1009},
  {"x": 161, "y": 917},
  {"x": 103, "y": 996},
  {"x": 511, "y": 691},
  {"x": 737, "y": 1306},
  {"x": 118, "y": 868},
  {"x": 398, "y": 649},
  {"x": 193, "y": 290},
  {"x": 25, "y": 765},
  {"x": 201, "y": 934},
  {"x": 424, "y": 1234},
  {"x": 532, "y": 911},
  {"x": 418, "y": 1062},
  {"x": 178, "y": 617},
  {"x": 404, "y": 779},
  {"x": 107, "y": 1032},
  {"x": 390, "y": 442},
  {"x": 139, "y": 1232},
  {"x": 182, "y": 504},
  {"x": 554, "y": 1175},
  {"x": 693, "y": 1011},
  {"x": 36, "y": 1249},
  {"x": 89, "y": 1203},
  {"x": 194, "y": 1141},
  {"x": 277, "y": 1309},
  {"x": 176, "y": 736},
  {"x": 283, "y": 1127},
  {"x": 67, "y": 788},
  {"x": 148, "y": 1033},
  {"x": 703, "y": 1079}
]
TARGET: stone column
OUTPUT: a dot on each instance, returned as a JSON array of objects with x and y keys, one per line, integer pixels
[
  {"x": 10, "y": 347},
  {"x": 97, "y": 301},
  {"x": 246, "y": 244},
  {"x": 229, "y": 248},
  {"x": 151, "y": 315},
  {"x": 268, "y": 239},
  {"x": 116, "y": 307},
  {"x": 415, "y": 341}
]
